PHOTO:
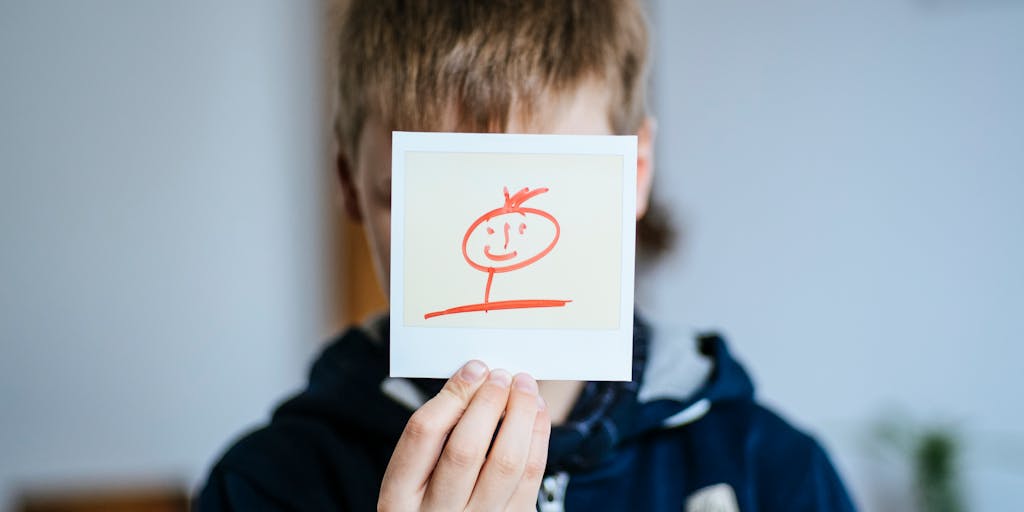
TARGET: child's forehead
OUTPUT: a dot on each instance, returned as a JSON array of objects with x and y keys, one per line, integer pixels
[{"x": 583, "y": 109}]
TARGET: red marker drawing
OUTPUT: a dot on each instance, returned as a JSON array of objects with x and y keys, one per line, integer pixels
[{"x": 501, "y": 233}]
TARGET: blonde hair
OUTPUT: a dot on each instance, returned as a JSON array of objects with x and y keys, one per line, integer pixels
[{"x": 472, "y": 64}]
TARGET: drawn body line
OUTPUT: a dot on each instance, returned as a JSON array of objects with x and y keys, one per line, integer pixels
[{"x": 508, "y": 260}]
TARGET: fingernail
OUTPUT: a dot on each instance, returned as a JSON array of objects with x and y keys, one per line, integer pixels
[
  {"x": 526, "y": 383},
  {"x": 541, "y": 404},
  {"x": 501, "y": 378},
  {"x": 473, "y": 371}
]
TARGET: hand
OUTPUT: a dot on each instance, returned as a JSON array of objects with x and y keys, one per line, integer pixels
[{"x": 445, "y": 459}]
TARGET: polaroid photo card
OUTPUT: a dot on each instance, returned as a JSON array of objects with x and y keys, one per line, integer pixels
[{"x": 516, "y": 250}]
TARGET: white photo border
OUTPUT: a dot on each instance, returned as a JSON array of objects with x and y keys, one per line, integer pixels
[{"x": 578, "y": 354}]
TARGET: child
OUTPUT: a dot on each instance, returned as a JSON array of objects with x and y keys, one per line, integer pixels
[{"x": 686, "y": 434}]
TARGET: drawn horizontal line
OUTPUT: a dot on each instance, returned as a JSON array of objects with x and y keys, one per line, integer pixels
[{"x": 501, "y": 304}]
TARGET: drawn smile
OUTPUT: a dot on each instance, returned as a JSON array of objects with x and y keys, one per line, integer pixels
[{"x": 498, "y": 257}]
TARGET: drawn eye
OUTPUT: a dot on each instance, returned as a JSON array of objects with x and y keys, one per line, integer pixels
[
  {"x": 522, "y": 227},
  {"x": 490, "y": 230}
]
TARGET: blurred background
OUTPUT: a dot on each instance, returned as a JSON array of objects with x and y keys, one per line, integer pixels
[{"x": 847, "y": 178}]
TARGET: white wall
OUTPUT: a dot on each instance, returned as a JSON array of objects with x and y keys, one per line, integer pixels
[
  {"x": 161, "y": 217},
  {"x": 851, "y": 178}
]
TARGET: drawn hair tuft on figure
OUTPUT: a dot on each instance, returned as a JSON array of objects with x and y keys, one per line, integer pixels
[{"x": 514, "y": 202}]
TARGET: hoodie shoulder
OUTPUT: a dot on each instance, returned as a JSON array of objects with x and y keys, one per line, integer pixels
[
  {"x": 324, "y": 449},
  {"x": 795, "y": 471},
  {"x": 736, "y": 439},
  {"x": 291, "y": 465}
]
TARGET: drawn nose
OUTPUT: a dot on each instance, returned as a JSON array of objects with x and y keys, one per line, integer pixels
[{"x": 506, "y": 235}]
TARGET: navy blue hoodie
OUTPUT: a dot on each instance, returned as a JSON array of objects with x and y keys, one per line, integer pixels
[{"x": 650, "y": 444}]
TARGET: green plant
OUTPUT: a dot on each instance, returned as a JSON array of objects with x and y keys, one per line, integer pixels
[{"x": 933, "y": 453}]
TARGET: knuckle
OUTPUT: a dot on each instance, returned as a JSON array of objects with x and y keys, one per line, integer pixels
[
  {"x": 421, "y": 426},
  {"x": 507, "y": 465},
  {"x": 491, "y": 398},
  {"x": 524, "y": 404},
  {"x": 534, "y": 470},
  {"x": 461, "y": 457},
  {"x": 455, "y": 390}
]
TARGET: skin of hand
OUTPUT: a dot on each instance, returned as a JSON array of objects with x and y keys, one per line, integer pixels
[{"x": 446, "y": 460}]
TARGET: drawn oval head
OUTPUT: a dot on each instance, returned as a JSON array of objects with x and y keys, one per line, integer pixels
[{"x": 512, "y": 236}]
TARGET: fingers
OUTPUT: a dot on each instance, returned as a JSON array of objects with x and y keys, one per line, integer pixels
[
  {"x": 459, "y": 466},
  {"x": 418, "y": 449},
  {"x": 525, "y": 495},
  {"x": 507, "y": 460},
  {"x": 442, "y": 459}
]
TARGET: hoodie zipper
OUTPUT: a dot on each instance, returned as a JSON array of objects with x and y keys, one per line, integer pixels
[{"x": 551, "y": 497}]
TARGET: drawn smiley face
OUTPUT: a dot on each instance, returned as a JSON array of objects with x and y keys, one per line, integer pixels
[{"x": 510, "y": 237}]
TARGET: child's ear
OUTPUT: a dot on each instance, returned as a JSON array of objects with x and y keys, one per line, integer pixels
[
  {"x": 349, "y": 195},
  {"x": 644, "y": 164}
]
